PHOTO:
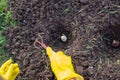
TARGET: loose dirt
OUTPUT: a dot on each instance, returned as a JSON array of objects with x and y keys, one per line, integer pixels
[{"x": 90, "y": 26}]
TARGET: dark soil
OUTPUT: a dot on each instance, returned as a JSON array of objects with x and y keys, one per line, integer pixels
[{"x": 90, "y": 26}]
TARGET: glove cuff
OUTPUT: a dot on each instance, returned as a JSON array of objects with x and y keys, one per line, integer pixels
[
  {"x": 2, "y": 77},
  {"x": 69, "y": 75},
  {"x": 74, "y": 75}
]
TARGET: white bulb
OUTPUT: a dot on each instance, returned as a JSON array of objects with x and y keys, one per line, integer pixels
[{"x": 63, "y": 38}]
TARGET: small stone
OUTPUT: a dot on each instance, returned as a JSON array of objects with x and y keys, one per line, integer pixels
[
  {"x": 118, "y": 61},
  {"x": 91, "y": 67},
  {"x": 94, "y": 39},
  {"x": 13, "y": 52}
]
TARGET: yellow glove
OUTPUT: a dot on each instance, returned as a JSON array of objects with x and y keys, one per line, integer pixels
[
  {"x": 9, "y": 71},
  {"x": 61, "y": 65}
]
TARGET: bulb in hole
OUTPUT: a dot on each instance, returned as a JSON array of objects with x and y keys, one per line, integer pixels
[
  {"x": 63, "y": 38},
  {"x": 115, "y": 43}
]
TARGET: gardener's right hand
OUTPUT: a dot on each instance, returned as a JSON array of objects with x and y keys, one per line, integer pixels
[{"x": 61, "y": 65}]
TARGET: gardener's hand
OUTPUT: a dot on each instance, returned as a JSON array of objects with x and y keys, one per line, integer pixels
[
  {"x": 61, "y": 65},
  {"x": 9, "y": 71}
]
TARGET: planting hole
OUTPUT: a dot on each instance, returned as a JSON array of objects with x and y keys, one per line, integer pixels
[
  {"x": 59, "y": 35},
  {"x": 111, "y": 34}
]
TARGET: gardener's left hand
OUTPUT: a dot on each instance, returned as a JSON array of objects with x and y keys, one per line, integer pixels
[{"x": 9, "y": 70}]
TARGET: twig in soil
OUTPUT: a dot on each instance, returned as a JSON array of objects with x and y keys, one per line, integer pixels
[
  {"x": 41, "y": 43},
  {"x": 116, "y": 5},
  {"x": 99, "y": 67},
  {"x": 40, "y": 38}
]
